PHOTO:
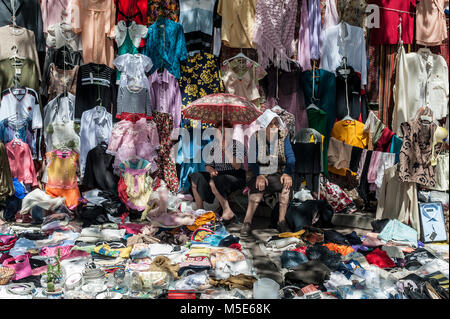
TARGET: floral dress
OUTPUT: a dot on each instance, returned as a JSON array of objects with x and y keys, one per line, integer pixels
[{"x": 167, "y": 168}]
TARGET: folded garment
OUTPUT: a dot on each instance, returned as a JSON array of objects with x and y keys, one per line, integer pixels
[
  {"x": 87, "y": 234},
  {"x": 400, "y": 233},
  {"x": 106, "y": 250},
  {"x": 393, "y": 251},
  {"x": 341, "y": 249}
]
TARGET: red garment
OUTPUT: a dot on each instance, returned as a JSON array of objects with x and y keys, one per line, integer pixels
[
  {"x": 132, "y": 228},
  {"x": 301, "y": 249},
  {"x": 135, "y": 9},
  {"x": 122, "y": 188},
  {"x": 380, "y": 258},
  {"x": 384, "y": 143},
  {"x": 236, "y": 246},
  {"x": 388, "y": 32}
]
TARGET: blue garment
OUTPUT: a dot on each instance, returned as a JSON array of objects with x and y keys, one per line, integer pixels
[
  {"x": 23, "y": 131},
  {"x": 396, "y": 146},
  {"x": 291, "y": 259},
  {"x": 190, "y": 148},
  {"x": 37, "y": 214},
  {"x": 19, "y": 189},
  {"x": 166, "y": 46},
  {"x": 289, "y": 154}
]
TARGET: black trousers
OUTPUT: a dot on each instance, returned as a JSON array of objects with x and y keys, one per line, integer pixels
[{"x": 226, "y": 182}]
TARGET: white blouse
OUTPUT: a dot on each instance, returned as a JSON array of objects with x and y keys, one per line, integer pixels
[
  {"x": 344, "y": 40},
  {"x": 61, "y": 34},
  {"x": 422, "y": 80},
  {"x": 96, "y": 127},
  {"x": 22, "y": 103},
  {"x": 135, "y": 31},
  {"x": 133, "y": 68}
]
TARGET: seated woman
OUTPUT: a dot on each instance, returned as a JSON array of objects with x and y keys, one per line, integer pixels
[
  {"x": 270, "y": 179},
  {"x": 220, "y": 179}
]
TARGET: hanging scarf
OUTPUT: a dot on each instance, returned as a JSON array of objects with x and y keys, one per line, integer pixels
[{"x": 273, "y": 32}]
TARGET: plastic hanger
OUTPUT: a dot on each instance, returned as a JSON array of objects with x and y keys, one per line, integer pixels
[{"x": 240, "y": 55}]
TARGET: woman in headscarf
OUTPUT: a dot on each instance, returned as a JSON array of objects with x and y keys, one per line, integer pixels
[
  {"x": 221, "y": 178},
  {"x": 273, "y": 175}
]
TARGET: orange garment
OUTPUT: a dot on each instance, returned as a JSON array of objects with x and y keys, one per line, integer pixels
[
  {"x": 95, "y": 19},
  {"x": 342, "y": 249},
  {"x": 352, "y": 133},
  {"x": 62, "y": 176},
  {"x": 202, "y": 220}
]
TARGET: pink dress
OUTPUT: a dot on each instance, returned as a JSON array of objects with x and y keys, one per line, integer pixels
[{"x": 130, "y": 141}]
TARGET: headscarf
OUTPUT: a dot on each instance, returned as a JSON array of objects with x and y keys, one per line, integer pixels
[{"x": 267, "y": 117}]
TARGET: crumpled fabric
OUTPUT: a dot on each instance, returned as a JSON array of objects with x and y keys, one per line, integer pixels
[
  {"x": 291, "y": 259},
  {"x": 380, "y": 258},
  {"x": 329, "y": 258},
  {"x": 53, "y": 251},
  {"x": 106, "y": 250},
  {"x": 162, "y": 263},
  {"x": 396, "y": 231},
  {"x": 209, "y": 217},
  {"x": 244, "y": 282},
  {"x": 341, "y": 249},
  {"x": 312, "y": 272}
]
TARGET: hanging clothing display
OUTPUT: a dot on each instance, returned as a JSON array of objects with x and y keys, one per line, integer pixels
[
  {"x": 61, "y": 34},
  {"x": 431, "y": 28},
  {"x": 352, "y": 12},
  {"x": 21, "y": 162},
  {"x": 167, "y": 170},
  {"x": 349, "y": 100},
  {"x": 27, "y": 74},
  {"x": 158, "y": 8},
  {"x": 98, "y": 171},
  {"x": 21, "y": 104},
  {"x": 165, "y": 95},
  {"x": 21, "y": 129},
  {"x": 62, "y": 81},
  {"x": 22, "y": 39},
  {"x": 394, "y": 13},
  {"x": 131, "y": 101},
  {"x": 285, "y": 89},
  {"x": 323, "y": 84},
  {"x": 53, "y": 11},
  {"x": 95, "y": 20},
  {"x": 421, "y": 81},
  {"x": 138, "y": 183},
  {"x": 166, "y": 46},
  {"x": 242, "y": 78},
  {"x": 398, "y": 200},
  {"x": 6, "y": 179},
  {"x": 94, "y": 82},
  {"x": 315, "y": 29},
  {"x": 199, "y": 77},
  {"x": 132, "y": 68},
  {"x": 28, "y": 15},
  {"x": 415, "y": 155},
  {"x": 62, "y": 176},
  {"x": 96, "y": 126},
  {"x": 128, "y": 39},
  {"x": 344, "y": 40},
  {"x": 134, "y": 140},
  {"x": 273, "y": 32},
  {"x": 304, "y": 48},
  {"x": 196, "y": 17},
  {"x": 238, "y": 19},
  {"x": 351, "y": 133},
  {"x": 132, "y": 10}
]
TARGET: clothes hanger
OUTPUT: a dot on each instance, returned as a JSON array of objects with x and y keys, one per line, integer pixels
[
  {"x": 240, "y": 55},
  {"x": 313, "y": 105},
  {"x": 345, "y": 74}
]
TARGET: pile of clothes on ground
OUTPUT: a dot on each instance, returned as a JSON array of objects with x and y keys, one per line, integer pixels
[{"x": 176, "y": 251}]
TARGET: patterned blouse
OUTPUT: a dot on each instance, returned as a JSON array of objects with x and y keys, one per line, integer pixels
[{"x": 199, "y": 77}]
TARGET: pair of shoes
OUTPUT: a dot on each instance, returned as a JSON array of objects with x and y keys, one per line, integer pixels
[
  {"x": 246, "y": 229},
  {"x": 283, "y": 227}
]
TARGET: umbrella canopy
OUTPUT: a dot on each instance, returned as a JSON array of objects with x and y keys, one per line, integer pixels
[{"x": 215, "y": 108}]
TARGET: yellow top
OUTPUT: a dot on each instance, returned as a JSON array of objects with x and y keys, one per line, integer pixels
[
  {"x": 352, "y": 133},
  {"x": 238, "y": 18}
]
